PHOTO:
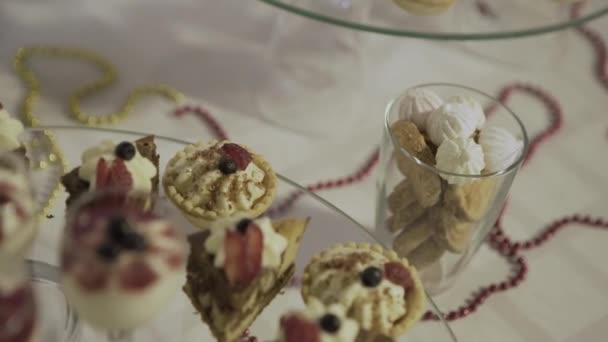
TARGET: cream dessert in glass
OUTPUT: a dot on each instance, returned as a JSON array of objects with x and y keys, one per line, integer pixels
[{"x": 120, "y": 265}]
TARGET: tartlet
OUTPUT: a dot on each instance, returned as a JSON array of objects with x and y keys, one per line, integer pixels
[
  {"x": 212, "y": 182},
  {"x": 365, "y": 277}
]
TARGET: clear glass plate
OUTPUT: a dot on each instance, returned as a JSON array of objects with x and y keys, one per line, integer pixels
[
  {"x": 464, "y": 21},
  {"x": 178, "y": 322}
]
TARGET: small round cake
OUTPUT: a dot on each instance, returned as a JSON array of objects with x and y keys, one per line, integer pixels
[
  {"x": 120, "y": 265},
  {"x": 211, "y": 182},
  {"x": 379, "y": 290}
]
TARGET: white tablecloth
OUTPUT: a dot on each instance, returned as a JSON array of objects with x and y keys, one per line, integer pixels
[{"x": 207, "y": 49}]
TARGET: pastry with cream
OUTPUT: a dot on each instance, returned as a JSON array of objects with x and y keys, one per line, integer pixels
[
  {"x": 379, "y": 290},
  {"x": 235, "y": 271},
  {"x": 18, "y": 219},
  {"x": 120, "y": 265},
  {"x": 318, "y": 323},
  {"x": 128, "y": 166},
  {"x": 215, "y": 181},
  {"x": 425, "y": 7}
]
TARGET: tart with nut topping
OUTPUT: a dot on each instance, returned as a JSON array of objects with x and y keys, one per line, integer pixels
[
  {"x": 379, "y": 290},
  {"x": 214, "y": 181}
]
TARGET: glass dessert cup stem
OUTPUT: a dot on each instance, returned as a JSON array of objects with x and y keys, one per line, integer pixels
[{"x": 437, "y": 219}]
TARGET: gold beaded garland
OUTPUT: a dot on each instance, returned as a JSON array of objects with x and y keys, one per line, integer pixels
[{"x": 107, "y": 79}]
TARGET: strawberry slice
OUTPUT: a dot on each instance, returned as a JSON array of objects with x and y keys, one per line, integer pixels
[
  {"x": 397, "y": 274},
  {"x": 243, "y": 256},
  {"x": 235, "y": 263},
  {"x": 299, "y": 329},
  {"x": 255, "y": 248},
  {"x": 238, "y": 154},
  {"x": 101, "y": 179},
  {"x": 119, "y": 176},
  {"x": 115, "y": 175},
  {"x": 136, "y": 276}
]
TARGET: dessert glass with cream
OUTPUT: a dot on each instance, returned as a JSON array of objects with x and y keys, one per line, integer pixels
[
  {"x": 18, "y": 216},
  {"x": 449, "y": 155},
  {"x": 121, "y": 265}
]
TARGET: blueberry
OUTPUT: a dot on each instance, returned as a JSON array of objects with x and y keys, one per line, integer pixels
[
  {"x": 108, "y": 251},
  {"x": 133, "y": 241},
  {"x": 371, "y": 276},
  {"x": 227, "y": 166},
  {"x": 243, "y": 225},
  {"x": 125, "y": 150},
  {"x": 330, "y": 323},
  {"x": 118, "y": 228}
]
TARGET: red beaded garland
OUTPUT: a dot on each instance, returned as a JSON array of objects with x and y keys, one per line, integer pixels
[{"x": 497, "y": 238}]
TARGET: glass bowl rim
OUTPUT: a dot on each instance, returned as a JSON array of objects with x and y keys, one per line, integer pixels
[
  {"x": 511, "y": 168},
  {"x": 298, "y": 10}
]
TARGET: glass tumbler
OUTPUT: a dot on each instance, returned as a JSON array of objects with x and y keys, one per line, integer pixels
[
  {"x": 311, "y": 64},
  {"x": 438, "y": 219}
]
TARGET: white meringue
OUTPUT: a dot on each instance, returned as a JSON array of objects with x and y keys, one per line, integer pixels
[
  {"x": 461, "y": 155},
  {"x": 416, "y": 105},
  {"x": 500, "y": 148},
  {"x": 474, "y": 106},
  {"x": 450, "y": 121}
]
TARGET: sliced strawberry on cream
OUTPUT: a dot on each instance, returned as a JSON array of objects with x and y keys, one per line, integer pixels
[
  {"x": 102, "y": 172},
  {"x": 238, "y": 154},
  {"x": 114, "y": 175},
  {"x": 254, "y": 240},
  {"x": 299, "y": 329},
  {"x": 243, "y": 256},
  {"x": 396, "y": 273}
]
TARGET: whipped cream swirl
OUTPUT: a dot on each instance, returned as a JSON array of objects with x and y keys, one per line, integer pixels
[
  {"x": 141, "y": 169},
  {"x": 274, "y": 244}
]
